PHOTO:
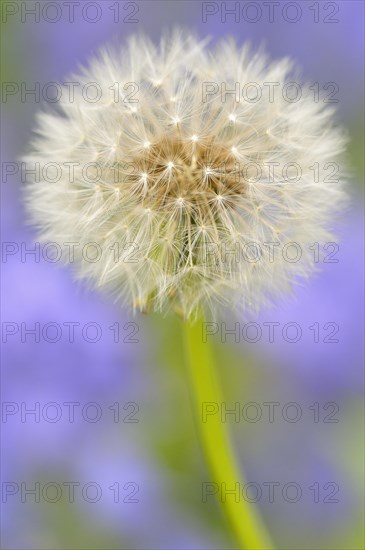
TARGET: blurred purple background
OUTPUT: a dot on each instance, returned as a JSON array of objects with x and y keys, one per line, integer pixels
[{"x": 159, "y": 454}]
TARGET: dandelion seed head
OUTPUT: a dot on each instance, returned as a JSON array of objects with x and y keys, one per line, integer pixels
[{"x": 169, "y": 182}]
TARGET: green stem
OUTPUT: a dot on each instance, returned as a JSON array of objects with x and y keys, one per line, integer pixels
[{"x": 243, "y": 516}]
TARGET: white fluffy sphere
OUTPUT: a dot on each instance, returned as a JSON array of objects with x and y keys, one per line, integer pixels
[{"x": 191, "y": 194}]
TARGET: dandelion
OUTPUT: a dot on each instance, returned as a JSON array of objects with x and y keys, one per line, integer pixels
[
  {"x": 174, "y": 176},
  {"x": 169, "y": 154}
]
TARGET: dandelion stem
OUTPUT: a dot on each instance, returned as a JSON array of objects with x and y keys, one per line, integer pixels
[{"x": 243, "y": 516}]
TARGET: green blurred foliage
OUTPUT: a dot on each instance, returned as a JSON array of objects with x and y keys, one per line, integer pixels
[{"x": 356, "y": 150}]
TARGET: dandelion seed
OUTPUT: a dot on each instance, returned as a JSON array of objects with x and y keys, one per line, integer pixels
[{"x": 180, "y": 189}]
